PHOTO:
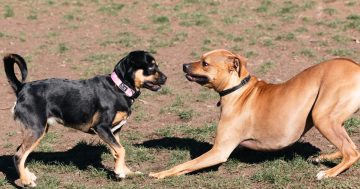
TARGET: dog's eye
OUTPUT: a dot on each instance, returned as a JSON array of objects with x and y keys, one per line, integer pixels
[
  {"x": 152, "y": 68},
  {"x": 205, "y": 64}
]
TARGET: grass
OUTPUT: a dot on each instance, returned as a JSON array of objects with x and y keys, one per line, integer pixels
[
  {"x": 340, "y": 52},
  {"x": 352, "y": 125},
  {"x": 33, "y": 15},
  {"x": 279, "y": 173},
  {"x": 111, "y": 9},
  {"x": 47, "y": 143},
  {"x": 8, "y": 11},
  {"x": 160, "y": 19},
  {"x": 165, "y": 90},
  {"x": 125, "y": 39},
  {"x": 194, "y": 19},
  {"x": 201, "y": 133},
  {"x": 62, "y": 48},
  {"x": 307, "y": 52},
  {"x": 100, "y": 64},
  {"x": 265, "y": 67},
  {"x": 273, "y": 34}
]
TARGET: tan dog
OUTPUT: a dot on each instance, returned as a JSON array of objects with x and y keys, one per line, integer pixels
[{"x": 263, "y": 116}]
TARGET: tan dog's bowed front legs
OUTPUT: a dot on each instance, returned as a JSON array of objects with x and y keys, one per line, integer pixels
[{"x": 225, "y": 142}]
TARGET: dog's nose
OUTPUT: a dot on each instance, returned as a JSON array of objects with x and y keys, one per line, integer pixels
[
  {"x": 163, "y": 78},
  {"x": 186, "y": 68}
]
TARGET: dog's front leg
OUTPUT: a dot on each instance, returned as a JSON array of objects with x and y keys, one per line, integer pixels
[
  {"x": 225, "y": 142},
  {"x": 104, "y": 132}
]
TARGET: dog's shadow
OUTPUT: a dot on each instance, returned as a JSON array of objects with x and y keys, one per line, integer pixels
[
  {"x": 197, "y": 148},
  {"x": 83, "y": 155}
]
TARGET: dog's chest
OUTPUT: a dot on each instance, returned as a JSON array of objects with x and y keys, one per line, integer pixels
[{"x": 119, "y": 121}]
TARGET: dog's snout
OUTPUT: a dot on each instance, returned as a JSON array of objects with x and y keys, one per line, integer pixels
[
  {"x": 186, "y": 68},
  {"x": 162, "y": 79}
]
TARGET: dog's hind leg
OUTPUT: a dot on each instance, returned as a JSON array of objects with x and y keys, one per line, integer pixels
[
  {"x": 327, "y": 157},
  {"x": 31, "y": 139},
  {"x": 336, "y": 134}
]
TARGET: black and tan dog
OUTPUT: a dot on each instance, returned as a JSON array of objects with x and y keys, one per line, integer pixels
[
  {"x": 98, "y": 105},
  {"x": 268, "y": 117}
]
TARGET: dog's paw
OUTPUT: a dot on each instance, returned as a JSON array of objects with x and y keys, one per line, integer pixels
[
  {"x": 321, "y": 175},
  {"x": 315, "y": 159},
  {"x": 120, "y": 175},
  {"x": 30, "y": 175},
  {"x": 156, "y": 175},
  {"x": 25, "y": 184}
]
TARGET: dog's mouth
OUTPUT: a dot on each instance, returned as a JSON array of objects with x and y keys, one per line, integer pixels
[
  {"x": 152, "y": 86},
  {"x": 197, "y": 78}
]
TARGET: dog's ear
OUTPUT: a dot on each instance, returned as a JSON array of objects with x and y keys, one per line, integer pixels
[{"x": 238, "y": 64}]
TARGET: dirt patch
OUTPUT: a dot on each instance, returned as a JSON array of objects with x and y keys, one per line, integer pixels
[{"x": 78, "y": 39}]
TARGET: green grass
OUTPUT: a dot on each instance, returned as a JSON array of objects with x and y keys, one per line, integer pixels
[
  {"x": 352, "y": 125},
  {"x": 307, "y": 52},
  {"x": 33, "y": 15},
  {"x": 160, "y": 19},
  {"x": 125, "y": 39},
  {"x": 165, "y": 90},
  {"x": 279, "y": 173},
  {"x": 8, "y": 11},
  {"x": 265, "y": 67},
  {"x": 100, "y": 64},
  {"x": 330, "y": 11},
  {"x": 340, "y": 52},
  {"x": 201, "y": 133},
  {"x": 264, "y": 6},
  {"x": 353, "y": 22},
  {"x": 3, "y": 182},
  {"x": 186, "y": 114},
  {"x": 194, "y": 19},
  {"x": 48, "y": 182},
  {"x": 286, "y": 37},
  {"x": 111, "y": 9},
  {"x": 48, "y": 142},
  {"x": 62, "y": 48}
]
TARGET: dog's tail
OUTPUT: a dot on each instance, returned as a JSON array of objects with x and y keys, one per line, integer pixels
[{"x": 9, "y": 61}]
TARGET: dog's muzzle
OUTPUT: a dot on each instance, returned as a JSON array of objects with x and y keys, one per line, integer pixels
[
  {"x": 202, "y": 80},
  {"x": 156, "y": 85}
]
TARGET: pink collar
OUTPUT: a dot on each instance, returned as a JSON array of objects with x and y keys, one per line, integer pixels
[{"x": 122, "y": 86}]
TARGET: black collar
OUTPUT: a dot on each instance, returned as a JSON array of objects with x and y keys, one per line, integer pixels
[{"x": 232, "y": 89}]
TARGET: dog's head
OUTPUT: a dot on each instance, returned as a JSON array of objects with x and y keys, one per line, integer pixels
[
  {"x": 216, "y": 69},
  {"x": 139, "y": 69}
]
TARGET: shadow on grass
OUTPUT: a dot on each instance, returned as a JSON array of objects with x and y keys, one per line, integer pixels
[
  {"x": 197, "y": 148},
  {"x": 83, "y": 155}
]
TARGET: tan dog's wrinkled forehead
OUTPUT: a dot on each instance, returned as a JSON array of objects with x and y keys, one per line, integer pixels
[
  {"x": 217, "y": 55},
  {"x": 222, "y": 55}
]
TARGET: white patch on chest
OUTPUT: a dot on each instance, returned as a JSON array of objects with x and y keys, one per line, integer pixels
[
  {"x": 54, "y": 120},
  {"x": 13, "y": 108},
  {"x": 118, "y": 126}
]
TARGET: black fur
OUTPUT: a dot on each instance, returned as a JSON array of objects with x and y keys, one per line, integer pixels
[{"x": 75, "y": 102}]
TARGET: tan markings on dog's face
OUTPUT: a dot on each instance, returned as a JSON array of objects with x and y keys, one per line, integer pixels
[
  {"x": 119, "y": 117},
  {"x": 217, "y": 66},
  {"x": 140, "y": 78},
  {"x": 154, "y": 62}
]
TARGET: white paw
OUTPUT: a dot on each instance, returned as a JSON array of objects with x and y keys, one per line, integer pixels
[
  {"x": 138, "y": 173},
  {"x": 32, "y": 184},
  {"x": 30, "y": 174},
  {"x": 120, "y": 175},
  {"x": 320, "y": 175},
  {"x": 24, "y": 184}
]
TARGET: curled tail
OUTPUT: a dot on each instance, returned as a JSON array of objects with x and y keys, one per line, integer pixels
[{"x": 9, "y": 61}]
